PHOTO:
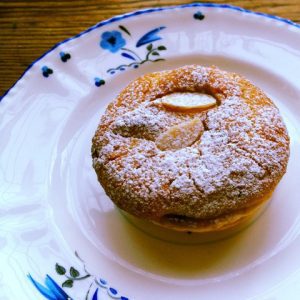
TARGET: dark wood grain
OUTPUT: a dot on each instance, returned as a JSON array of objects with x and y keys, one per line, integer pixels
[{"x": 29, "y": 28}]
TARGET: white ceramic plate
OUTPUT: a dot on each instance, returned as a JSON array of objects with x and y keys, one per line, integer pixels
[{"x": 51, "y": 205}]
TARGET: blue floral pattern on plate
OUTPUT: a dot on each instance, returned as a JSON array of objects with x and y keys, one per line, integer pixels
[
  {"x": 53, "y": 291},
  {"x": 113, "y": 41}
]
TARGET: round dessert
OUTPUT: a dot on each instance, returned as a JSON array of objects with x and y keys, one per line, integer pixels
[{"x": 192, "y": 149}]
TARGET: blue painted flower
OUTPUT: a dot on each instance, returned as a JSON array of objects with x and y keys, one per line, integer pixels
[
  {"x": 150, "y": 37},
  {"x": 52, "y": 291},
  {"x": 112, "y": 41}
]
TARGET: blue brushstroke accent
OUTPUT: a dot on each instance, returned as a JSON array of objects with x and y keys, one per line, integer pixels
[
  {"x": 64, "y": 56},
  {"x": 95, "y": 296},
  {"x": 52, "y": 291},
  {"x": 56, "y": 289},
  {"x": 150, "y": 37},
  {"x": 44, "y": 68},
  {"x": 199, "y": 16},
  {"x": 44, "y": 291},
  {"x": 99, "y": 81},
  {"x": 124, "y": 298},
  {"x": 46, "y": 71},
  {"x": 103, "y": 282},
  {"x": 148, "y": 11},
  {"x": 127, "y": 55},
  {"x": 113, "y": 291}
]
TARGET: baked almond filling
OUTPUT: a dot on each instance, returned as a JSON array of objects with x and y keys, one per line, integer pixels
[{"x": 188, "y": 101}]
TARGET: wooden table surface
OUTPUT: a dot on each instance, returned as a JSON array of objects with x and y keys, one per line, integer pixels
[{"x": 29, "y": 28}]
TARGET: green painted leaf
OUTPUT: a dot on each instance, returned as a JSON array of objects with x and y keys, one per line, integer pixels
[
  {"x": 149, "y": 47},
  {"x": 160, "y": 48},
  {"x": 155, "y": 53},
  {"x": 68, "y": 283},
  {"x": 74, "y": 273},
  {"x": 60, "y": 269}
]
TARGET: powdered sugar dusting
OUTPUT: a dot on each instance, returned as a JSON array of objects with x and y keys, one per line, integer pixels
[{"x": 242, "y": 153}]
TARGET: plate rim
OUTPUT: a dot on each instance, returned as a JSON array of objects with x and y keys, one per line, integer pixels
[{"x": 147, "y": 11}]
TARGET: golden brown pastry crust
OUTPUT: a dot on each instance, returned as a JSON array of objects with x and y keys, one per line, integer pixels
[{"x": 228, "y": 172}]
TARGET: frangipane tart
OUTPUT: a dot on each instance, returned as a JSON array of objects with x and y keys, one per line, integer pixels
[{"x": 193, "y": 149}]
